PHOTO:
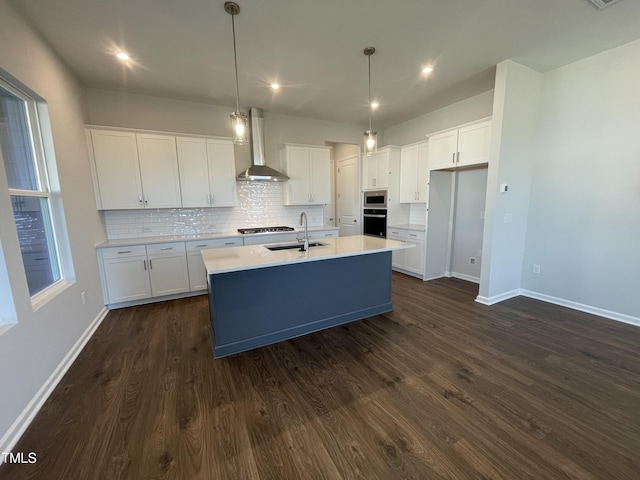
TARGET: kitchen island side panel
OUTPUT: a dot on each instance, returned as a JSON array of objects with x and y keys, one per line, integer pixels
[{"x": 257, "y": 307}]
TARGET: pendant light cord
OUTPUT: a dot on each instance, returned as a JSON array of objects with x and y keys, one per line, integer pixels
[
  {"x": 235, "y": 61},
  {"x": 369, "y": 92}
]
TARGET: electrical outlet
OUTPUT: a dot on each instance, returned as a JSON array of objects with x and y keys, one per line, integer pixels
[
  {"x": 83, "y": 295},
  {"x": 536, "y": 268},
  {"x": 472, "y": 261},
  {"x": 508, "y": 217}
]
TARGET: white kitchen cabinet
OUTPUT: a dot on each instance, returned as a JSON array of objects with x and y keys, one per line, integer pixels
[
  {"x": 197, "y": 271},
  {"x": 207, "y": 172},
  {"x": 264, "y": 238},
  {"x": 461, "y": 147},
  {"x": 138, "y": 272},
  {"x": 134, "y": 170},
  {"x": 308, "y": 168},
  {"x": 414, "y": 173},
  {"x": 168, "y": 269},
  {"x": 116, "y": 169},
  {"x": 125, "y": 274},
  {"x": 319, "y": 235},
  {"x": 159, "y": 170},
  {"x": 411, "y": 260}
]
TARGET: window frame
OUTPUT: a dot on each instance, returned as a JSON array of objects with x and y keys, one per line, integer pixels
[{"x": 44, "y": 162}]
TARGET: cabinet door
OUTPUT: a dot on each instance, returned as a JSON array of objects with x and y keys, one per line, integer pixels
[
  {"x": 126, "y": 279},
  {"x": 414, "y": 257},
  {"x": 397, "y": 256},
  {"x": 473, "y": 144},
  {"x": 159, "y": 170},
  {"x": 194, "y": 172},
  {"x": 169, "y": 273},
  {"x": 320, "y": 173},
  {"x": 297, "y": 166},
  {"x": 442, "y": 150},
  {"x": 382, "y": 169},
  {"x": 409, "y": 167},
  {"x": 222, "y": 173},
  {"x": 369, "y": 172},
  {"x": 117, "y": 172},
  {"x": 423, "y": 174},
  {"x": 197, "y": 271}
]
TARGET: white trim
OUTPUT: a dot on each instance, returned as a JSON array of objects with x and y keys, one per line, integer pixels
[
  {"x": 468, "y": 278},
  {"x": 498, "y": 298},
  {"x": 41, "y": 298},
  {"x": 15, "y": 431},
  {"x": 601, "y": 312}
]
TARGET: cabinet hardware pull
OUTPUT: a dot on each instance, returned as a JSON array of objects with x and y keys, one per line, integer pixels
[
  {"x": 229, "y": 243},
  {"x": 145, "y": 264},
  {"x": 140, "y": 199},
  {"x": 458, "y": 157},
  {"x": 124, "y": 251},
  {"x": 412, "y": 235},
  {"x": 200, "y": 246},
  {"x": 453, "y": 159},
  {"x": 367, "y": 215},
  {"x": 146, "y": 200},
  {"x": 150, "y": 265},
  {"x": 328, "y": 234},
  {"x": 167, "y": 248}
]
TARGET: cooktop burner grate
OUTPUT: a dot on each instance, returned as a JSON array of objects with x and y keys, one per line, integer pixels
[{"x": 246, "y": 231}]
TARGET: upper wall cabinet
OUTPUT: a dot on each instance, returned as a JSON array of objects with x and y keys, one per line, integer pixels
[
  {"x": 461, "y": 147},
  {"x": 207, "y": 172},
  {"x": 309, "y": 173},
  {"x": 414, "y": 173},
  {"x": 377, "y": 167},
  {"x": 134, "y": 170}
]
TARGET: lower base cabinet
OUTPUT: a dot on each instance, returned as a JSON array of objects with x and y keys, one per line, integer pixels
[
  {"x": 411, "y": 260},
  {"x": 197, "y": 272}
]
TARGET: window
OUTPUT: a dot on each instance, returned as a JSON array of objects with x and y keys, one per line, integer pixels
[{"x": 23, "y": 155}]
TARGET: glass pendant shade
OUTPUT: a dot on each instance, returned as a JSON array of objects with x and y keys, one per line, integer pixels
[
  {"x": 370, "y": 142},
  {"x": 240, "y": 128}
]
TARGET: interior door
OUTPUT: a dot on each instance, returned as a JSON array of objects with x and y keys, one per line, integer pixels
[{"x": 348, "y": 197}]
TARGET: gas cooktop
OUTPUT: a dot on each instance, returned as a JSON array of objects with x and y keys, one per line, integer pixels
[{"x": 246, "y": 231}]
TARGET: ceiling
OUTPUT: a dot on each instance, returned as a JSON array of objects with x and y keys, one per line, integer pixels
[{"x": 314, "y": 49}]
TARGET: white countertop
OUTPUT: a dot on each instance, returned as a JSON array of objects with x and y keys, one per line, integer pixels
[
  {"x": 121, "y": 242},
  {"x": 233, "y": 259}
]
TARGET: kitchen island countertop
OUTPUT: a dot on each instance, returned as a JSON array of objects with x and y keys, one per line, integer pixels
[{"x": 236, "y": 259}]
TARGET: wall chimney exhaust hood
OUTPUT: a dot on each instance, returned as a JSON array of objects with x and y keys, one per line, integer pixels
[{"x": 259, "y": 171}]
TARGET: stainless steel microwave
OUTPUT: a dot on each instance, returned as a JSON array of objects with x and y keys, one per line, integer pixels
[{"x": 375, "y": 199}]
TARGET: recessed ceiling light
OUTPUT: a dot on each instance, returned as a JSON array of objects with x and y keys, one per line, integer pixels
[
  {"x": 374, "y": 105},
  {"x": 427, "y": 70},
  {"x": 275, "y": 86},
  {"x": 122, "y": 56}
]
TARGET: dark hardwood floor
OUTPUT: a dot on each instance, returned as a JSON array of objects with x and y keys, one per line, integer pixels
[{"x": 442, "y": 387}]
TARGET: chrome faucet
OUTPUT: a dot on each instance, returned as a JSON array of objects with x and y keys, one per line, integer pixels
[{"x": 304, "y": 247}]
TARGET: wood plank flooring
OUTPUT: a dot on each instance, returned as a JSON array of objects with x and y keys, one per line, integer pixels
[{"x": 440, "y": 388}]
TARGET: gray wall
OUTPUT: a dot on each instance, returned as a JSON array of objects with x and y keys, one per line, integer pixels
[
  {"x": 584, "y": 220},
  {"x": 32, "y": 349},
  {"x": 471, "y": 190}
]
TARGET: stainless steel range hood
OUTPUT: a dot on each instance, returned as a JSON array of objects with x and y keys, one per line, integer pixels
[{"x": 259, "y": 171}]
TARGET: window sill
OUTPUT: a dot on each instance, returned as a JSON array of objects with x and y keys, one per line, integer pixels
[
  {"x": 42, "y": 298},
  {"x": 6, "y": 327}
]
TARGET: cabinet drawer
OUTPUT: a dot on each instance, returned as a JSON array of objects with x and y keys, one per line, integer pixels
[
  {"x": 124, "y": 252},
  {"x": 323, "y": 234},
  {"x": 400, "y": 233},
  {"x": 196, "y": 245},
  {"x": 161, "y": 248}
]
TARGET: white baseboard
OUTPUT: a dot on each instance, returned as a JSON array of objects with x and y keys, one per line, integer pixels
[
  {"x": 498, "y": 298},
  {"x": 11, "y": 436},
  {"x": 468, "y": 278},
  {"x": 601, "y": 312}
]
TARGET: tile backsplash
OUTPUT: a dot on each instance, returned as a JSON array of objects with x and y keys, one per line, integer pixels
[
  {"x": 260, "y": 204},
  {"x": 418, "y": 214}
]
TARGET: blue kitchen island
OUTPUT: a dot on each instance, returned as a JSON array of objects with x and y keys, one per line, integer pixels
[{"x": 259, "y": 296}]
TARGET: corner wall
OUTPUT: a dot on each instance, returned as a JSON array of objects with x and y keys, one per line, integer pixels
[
  {"x": 584, "y": 221},
  {"x": 35, "y": 351}
]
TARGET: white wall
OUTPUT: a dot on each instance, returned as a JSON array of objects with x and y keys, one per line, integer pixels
[
  {"x": 32, "y": 349},
  {"x": 468, "y": 226},
  {"x": 414, "y": 130},
  {"x": 512, "y": 152},
  {"x": 584, "y": 221}
]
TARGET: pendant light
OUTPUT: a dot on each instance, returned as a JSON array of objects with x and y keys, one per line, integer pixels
[
  {"x": 370, "y": 137},
  {"x": 238, "y": 119}
]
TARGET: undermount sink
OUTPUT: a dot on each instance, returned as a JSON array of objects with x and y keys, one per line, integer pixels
[{"x": 291, "y": 246}]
